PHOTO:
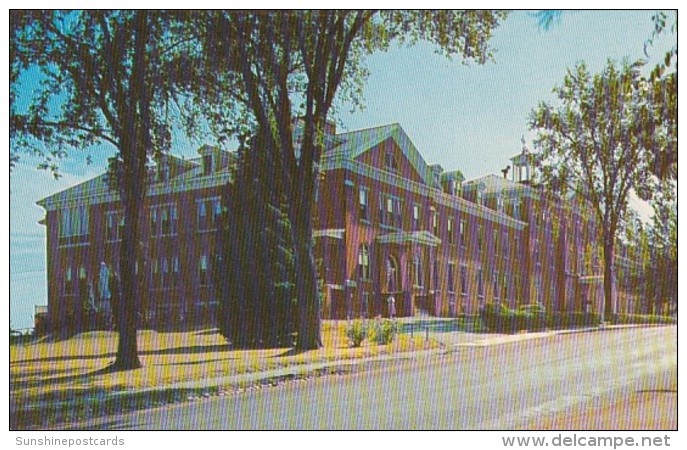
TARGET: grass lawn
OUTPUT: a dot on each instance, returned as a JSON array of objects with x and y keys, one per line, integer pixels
[{"x": 53, "y": 370}]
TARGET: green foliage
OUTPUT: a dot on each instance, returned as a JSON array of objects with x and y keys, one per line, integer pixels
[
  {"x": 90, "y": 89},
  {"x": 644, "y": 319},
  {"x": 572, "y": 319},
  {"x": 535, "y": 308},
  {"x": 254, "y": 269},
  {"x": 384, "y": 331},
  {"x": 356, "y": 332},
  {"x": 601, "y": 141},
  {"x": 501, "y": 319},
  {"x": 285, "y": 65}
]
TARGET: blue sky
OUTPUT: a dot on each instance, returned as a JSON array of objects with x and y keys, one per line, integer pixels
[{"x": 463, "y": 117}]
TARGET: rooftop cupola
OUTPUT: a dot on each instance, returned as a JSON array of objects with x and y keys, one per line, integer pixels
[{"x": 524, "y": 165}]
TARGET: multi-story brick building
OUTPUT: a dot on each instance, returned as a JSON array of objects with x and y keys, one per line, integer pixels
[{"x": 387, "y": 225}]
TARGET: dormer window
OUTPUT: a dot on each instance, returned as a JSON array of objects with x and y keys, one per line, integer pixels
[
  {"x": 207, "y": 165},
  {"x": 479, "y": 197}
]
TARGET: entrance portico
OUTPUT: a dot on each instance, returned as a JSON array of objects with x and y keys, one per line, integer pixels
[{"x": 404, "y": 259}]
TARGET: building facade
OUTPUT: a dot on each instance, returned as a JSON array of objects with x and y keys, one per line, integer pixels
[{"x": 387, "y": 226}]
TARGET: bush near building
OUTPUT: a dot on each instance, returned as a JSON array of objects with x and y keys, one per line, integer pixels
[{"x": 500, "y": 318}]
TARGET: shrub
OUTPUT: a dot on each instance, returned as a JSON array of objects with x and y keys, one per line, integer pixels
[
  {"x": 534, "y": 317},
  {"x": 573, "y": 319},
  {"x": 356, "y": 332},
  {"x": 534, "y": 308},
  {"x": 383, "y": 331},
  {"x": 499, "y": 318},
  {"x": 645, "y": 319}
]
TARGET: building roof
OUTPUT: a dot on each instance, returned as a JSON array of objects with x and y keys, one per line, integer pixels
[
  {"x": 188, "y": 175},
  {"x": 355, "y": 143}
]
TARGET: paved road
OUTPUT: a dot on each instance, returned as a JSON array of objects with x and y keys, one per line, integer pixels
[{"x": 497, "y": 387}]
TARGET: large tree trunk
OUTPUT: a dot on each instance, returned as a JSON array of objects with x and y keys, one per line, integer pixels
[
  {"x": 306, "y": 277},
  {"x": 609, "y": 269},
  {"x": 134, "y": 145},
  {"x": 127, "y": 348}
]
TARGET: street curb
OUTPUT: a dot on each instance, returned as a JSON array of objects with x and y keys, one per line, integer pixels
[{"x": 510, "y": 338}]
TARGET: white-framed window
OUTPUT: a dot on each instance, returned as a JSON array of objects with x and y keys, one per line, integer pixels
[
  {"x": 435, "y": 275},
  {"x": 364, "y": 262},
  {"x": 449, "y": 229},
  {"x": 435, "y": 223},
  {"x": 175, "y": 271},
  {"x": 391, "y": 274},
  {"x": 451, "y": 276},
  {"x": 464, "y": 280},
  {"x": 417, "y": 210},
  {"x": 417, "y": 266},
  {"x": 391, "y": 211},
  {"x": 163, "y": 220},
  {"x": 480, "y": 283},
  {"x": 204, "y": 271},
  {"x": 74, "y": 221},
  {"x": 363, "y": 204},
  {"x": 537, "y": 289},
  {"x": 114, "y": 226},
  {"x": 164, "y": 273},
  {"x": 68, "y": 281},
  {"x": 209, "y": 212},
  {"x": 155, "y": 272},
  {"x": 495, "y": 282}
]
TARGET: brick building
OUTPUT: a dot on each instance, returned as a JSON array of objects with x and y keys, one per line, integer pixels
[{"x": 387, "y": 225}]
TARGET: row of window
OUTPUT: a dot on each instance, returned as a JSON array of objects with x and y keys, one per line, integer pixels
[
  {"x": 500, "y": 285},
  {"x": 390, "y": 214},
  {"x": 74, "y": 221},
  {"x": 164, "y": 274},
  {"x": 162, "y": 220}
]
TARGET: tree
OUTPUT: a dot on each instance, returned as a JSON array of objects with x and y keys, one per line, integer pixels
[
  {"x": 662, "y": 238},
  {"x": 599, "y": 141},
  {"x": 254, "y": 243},
  {"x": 105, "y": 76},
  {"x": 291, "y": 66}
]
